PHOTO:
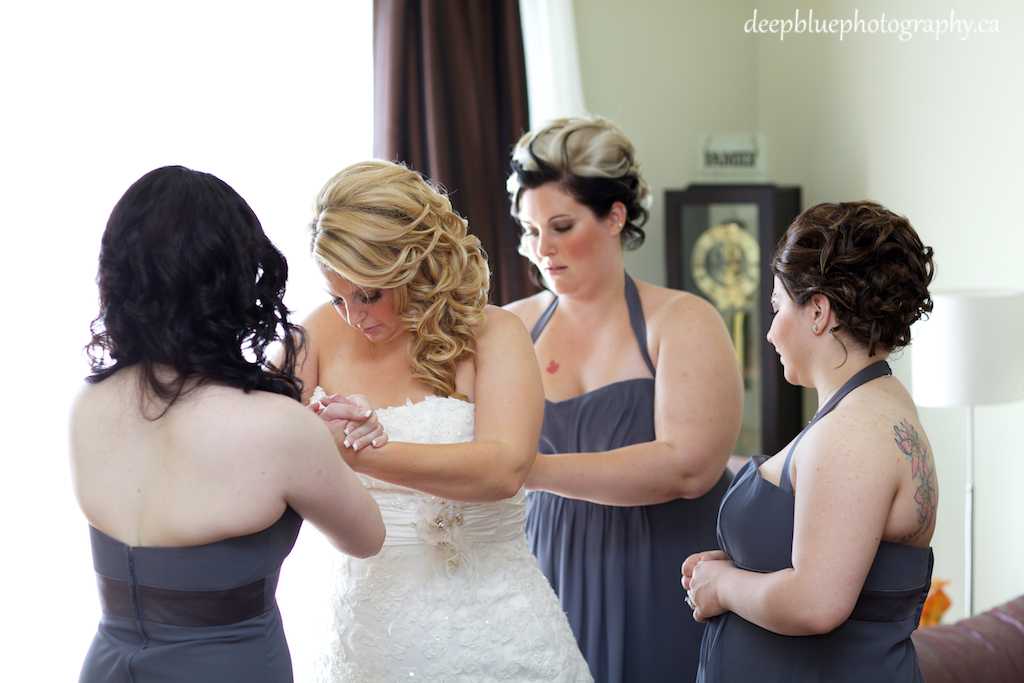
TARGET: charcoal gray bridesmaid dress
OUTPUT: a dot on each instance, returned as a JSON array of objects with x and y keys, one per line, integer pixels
[
  {"x": 616, "y": 569},
  {"x": 197, "y": 614},
  {"x": 755, "y": 528}
]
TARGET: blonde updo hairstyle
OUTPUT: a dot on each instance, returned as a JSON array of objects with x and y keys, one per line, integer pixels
[
  {"x": 590, "y": 159},
  {"x": 381, "y": 225}
]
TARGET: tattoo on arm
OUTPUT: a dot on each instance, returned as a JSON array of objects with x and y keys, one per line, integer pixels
[{"x": 922, "y": 469}]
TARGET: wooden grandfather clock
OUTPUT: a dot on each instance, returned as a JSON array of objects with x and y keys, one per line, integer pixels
[{"x": 718, "y": 240}]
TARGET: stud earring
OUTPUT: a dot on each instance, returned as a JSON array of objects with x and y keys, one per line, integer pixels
[{"x": 815, "y": 328}]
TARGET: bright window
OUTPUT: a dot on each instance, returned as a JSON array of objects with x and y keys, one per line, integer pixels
[{"x": 273, "y": 98}]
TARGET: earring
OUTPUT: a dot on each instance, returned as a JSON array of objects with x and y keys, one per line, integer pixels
[{"x": 815, "y": 328}]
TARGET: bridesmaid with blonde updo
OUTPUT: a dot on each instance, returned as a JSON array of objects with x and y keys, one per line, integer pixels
[{"x": 644, "y": 401}]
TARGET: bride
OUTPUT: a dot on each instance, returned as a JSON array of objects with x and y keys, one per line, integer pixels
[{"x": 455, "y": 593}]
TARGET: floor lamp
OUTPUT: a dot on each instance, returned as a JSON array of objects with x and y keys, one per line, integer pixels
[{"x": 970, "y": 351}]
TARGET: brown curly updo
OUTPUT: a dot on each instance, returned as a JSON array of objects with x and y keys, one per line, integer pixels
[{"x": 868, "y": 261}]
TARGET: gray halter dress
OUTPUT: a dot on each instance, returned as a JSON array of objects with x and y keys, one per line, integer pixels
[
  {"x": 616, "y": 569},
  {"x": 755, "y": 528},
  {"x": 197, "y": 614}
]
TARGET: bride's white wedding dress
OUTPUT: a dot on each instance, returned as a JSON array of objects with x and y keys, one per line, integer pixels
[{"x": 454, "y": 595}]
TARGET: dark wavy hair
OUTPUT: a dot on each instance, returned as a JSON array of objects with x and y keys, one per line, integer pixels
[
  {"x": 868, "y": 261},
  {"x": 189, "y": 281}
]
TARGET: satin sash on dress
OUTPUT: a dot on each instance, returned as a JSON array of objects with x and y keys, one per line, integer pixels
[{"x": 496, "y": 522}]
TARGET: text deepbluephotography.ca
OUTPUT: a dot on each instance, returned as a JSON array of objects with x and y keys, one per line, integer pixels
[{"x": 904, "y": 29}]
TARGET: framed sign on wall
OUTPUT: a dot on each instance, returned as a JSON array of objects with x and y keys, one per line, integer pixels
[{"x": 718, "y": 239}]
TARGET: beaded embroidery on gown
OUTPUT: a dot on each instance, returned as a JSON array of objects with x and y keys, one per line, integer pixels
[{"x": 454, "y": 594}]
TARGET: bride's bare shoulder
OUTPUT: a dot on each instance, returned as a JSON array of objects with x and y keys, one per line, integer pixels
[{"x": 530, "y": 309}]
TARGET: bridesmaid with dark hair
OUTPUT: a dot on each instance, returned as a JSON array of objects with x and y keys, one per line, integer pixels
[
  {"x": 825, "y": 560},
  {"x": 644, "y": 402},
  {"x": 192, "y": 458}
]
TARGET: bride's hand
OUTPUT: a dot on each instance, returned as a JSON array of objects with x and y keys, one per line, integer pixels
[
  {"x": 335, "y": 419},
  {"x": 368, "y": 431},
  {"x": 361, "y": 427}
]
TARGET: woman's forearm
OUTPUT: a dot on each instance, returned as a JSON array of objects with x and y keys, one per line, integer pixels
[
  {"x": 784, "y": 602},
  {"x": 640, "y": 474},
  {"x": 476, "y": 471}
]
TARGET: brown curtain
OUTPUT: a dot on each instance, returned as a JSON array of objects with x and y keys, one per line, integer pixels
[{"x": 450, "y": 102}]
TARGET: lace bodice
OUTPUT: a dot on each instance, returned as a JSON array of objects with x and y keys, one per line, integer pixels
[
  {"x": 432, "y": 420},
  {"x": 412, "y": 516}
]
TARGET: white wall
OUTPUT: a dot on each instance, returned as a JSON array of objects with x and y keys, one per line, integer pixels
[
  {"x": 930, "y": 128},
  {"x": 666, "y": 70}
]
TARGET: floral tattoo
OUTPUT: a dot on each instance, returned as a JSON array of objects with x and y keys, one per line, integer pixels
[{"x": 922, "y": 468}]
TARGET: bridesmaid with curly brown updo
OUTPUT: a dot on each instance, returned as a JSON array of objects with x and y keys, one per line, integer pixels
[{"x": 825, "y": 559}]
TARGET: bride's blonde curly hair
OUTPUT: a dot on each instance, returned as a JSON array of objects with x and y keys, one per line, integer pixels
[{"x": 381, "y": 225}]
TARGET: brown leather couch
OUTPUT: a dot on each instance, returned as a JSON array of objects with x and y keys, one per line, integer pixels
[{"x": 985, "y": 648}]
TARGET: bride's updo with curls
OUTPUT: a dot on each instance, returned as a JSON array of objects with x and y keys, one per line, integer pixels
[
  {"x": 868, "y": 261},
  {"x": 381, "y": 225},
  {"x": 591, "y": 160}
]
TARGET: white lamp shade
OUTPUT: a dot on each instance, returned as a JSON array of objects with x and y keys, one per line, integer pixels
[{"x": 970, "y": 350}]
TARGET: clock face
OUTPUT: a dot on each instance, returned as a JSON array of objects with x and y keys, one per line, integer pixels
[
  {"x": 717, "y": 238},
  {"x": 725, "y": 263}
]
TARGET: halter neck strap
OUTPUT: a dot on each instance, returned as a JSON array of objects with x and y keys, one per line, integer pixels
[
  {"x": 636, "y": 320},
  {"x": 873, "y": 371},
  {"x": 542, "y": 322}
]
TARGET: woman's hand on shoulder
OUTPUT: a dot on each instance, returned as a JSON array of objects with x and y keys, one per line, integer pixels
[{"x": 698, "y": 387}]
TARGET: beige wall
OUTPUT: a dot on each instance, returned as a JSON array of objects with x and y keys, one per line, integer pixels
[
  {"x": 666, "y": 70},
  {"x": 931, "y": 128}
]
